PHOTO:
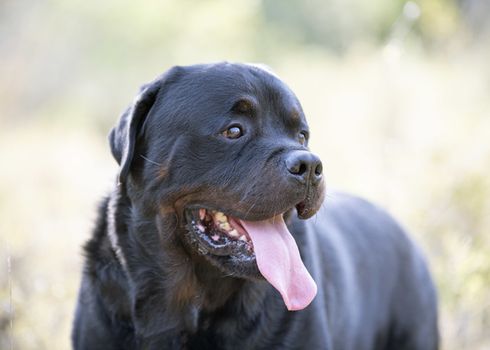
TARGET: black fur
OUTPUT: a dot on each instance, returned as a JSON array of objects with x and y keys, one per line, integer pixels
[{"x": 144, "y": 287}]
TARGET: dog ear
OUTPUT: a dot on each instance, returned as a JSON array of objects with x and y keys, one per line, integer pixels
[{"x": 122, "y": 137}]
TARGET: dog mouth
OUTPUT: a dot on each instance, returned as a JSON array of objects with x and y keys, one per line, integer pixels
[
  {"x": 219, "y": 234},
  {"x": 250, "y": 249}
]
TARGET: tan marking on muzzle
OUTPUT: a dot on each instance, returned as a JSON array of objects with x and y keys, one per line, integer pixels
[{"x": 162, "y": 172}]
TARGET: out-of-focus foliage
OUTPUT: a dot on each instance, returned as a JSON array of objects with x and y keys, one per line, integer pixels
[{"x": 397, "y": 94}]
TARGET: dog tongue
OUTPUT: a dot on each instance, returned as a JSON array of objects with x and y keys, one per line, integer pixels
[{"x": 279, "y": 261}]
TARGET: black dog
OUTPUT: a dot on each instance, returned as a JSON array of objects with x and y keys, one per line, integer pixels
[{"x": 194, "y": 248}]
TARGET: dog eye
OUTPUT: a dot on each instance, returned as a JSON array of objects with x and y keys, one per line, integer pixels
[
  {"x": 233, "y": 132},
  {"x": 303, "y": 137}
]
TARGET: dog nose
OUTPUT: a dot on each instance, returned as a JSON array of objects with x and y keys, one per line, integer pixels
[{"x": 305, "y": 166}]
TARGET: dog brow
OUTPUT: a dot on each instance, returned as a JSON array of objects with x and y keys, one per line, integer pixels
[
  {"x": 245, "y": 105},
  {"x": 292, "y": 117}
]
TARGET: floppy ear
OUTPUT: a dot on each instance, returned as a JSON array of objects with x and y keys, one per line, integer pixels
[{"x": 122, "y": 137}]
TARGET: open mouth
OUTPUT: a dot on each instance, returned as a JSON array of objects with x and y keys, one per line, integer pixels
[
  {"x": 218, "y": 233},
  {"x": 252, "y": 249}
]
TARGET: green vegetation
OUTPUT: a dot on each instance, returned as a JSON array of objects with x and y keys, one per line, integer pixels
[{"x": 397, "y": 95}]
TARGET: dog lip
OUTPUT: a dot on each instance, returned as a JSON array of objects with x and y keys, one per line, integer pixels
[
  {"x": 213, "y": 239},
  {"x": 251, "y": 215},
  {"x": 311, "y": 202},
  {"x": 304, "y": 210},
  {"x": 233, "y": 257}
]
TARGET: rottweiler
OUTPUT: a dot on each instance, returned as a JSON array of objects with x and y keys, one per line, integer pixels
[{"x": 216, "y": 234}]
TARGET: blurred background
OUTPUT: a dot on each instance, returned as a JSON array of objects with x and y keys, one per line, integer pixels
[{"x": 397, "y": 94}]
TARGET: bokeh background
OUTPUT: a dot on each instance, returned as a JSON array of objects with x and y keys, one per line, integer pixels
[{"x": 397, "y": 94}]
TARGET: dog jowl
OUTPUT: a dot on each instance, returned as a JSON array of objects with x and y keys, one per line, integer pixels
[{"x": 205, "y": 240}]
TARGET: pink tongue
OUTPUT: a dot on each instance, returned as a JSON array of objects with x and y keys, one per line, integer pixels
[{"x": 279, "y": 261}]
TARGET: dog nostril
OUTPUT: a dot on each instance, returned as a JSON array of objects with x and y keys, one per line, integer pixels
[
  {"x": 318, "y": 169},
  {"x": 302, "y": 169},
  {"x": 297, "y": 167}
]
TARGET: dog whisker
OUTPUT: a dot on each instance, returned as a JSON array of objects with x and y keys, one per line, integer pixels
[
  {"x": 250, "y": 208},
  {"x": 150, "y": 161}
]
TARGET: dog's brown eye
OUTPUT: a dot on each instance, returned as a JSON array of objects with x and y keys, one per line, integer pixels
[
  {"x": 302, "y": 137},
  {"x": 233, "y": 132}
]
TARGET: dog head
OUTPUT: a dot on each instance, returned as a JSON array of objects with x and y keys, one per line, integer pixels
[{"x": 222, "y": 149}]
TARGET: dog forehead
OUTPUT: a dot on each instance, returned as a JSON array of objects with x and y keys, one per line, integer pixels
[
  {"x": 225, "y": 79},
  {"x": 222, "y": 84}
]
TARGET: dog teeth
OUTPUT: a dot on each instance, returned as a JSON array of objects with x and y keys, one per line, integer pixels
[
  {"x": 233, "y": 233},
  {"x": 225, "y": 226},
  {"x": 219, "y": 216},
  {"x": 221, "y": 221},
  {"x": 222, "y": 227}
]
